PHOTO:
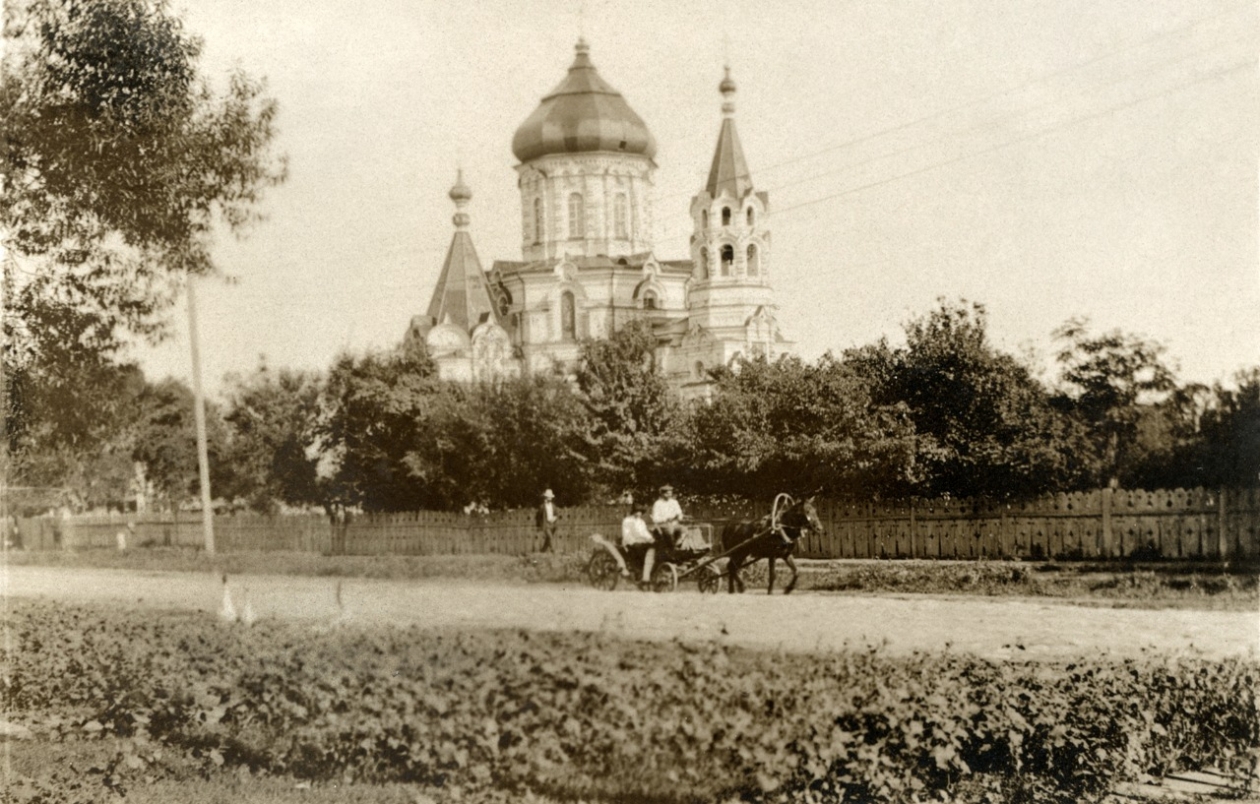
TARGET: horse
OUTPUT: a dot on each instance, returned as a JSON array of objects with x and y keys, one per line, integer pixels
[{"x": 773, "y": 536}]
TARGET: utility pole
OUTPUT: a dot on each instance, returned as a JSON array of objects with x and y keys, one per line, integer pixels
[{"x": 199, "y": 411}]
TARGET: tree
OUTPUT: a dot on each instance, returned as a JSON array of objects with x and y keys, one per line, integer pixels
[
  {"x": 631, "y": 405},
  {"x": 1112, "y": 383},
  {"x": 117, "y": 163},
  {"x": 791, "y": 426},
  {"x": 502, "y": 443},
  {"x": 403, "y": 440},
  {"x": 983, "y": 425},
  {"x": 66, "y": 415},
  {"x": 1228, "y": 453},
  {"x": 272, "y": 421},
  {"x": 163, "y": 441},
  {"x": 371, "y": 409}
]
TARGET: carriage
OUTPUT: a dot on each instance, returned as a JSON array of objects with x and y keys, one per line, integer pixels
[
  {"x": 695, "y": 556},
  {"x": 690, "y": 559}
]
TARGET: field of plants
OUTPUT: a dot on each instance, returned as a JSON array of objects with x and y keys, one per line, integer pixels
[{"x": 176, "y": 697}]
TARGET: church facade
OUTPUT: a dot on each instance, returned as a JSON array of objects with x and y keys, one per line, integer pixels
[{"x": 587, "y": 264}]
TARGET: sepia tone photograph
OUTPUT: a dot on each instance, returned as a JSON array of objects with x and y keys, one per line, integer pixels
[{"x": 563, "y": 401}]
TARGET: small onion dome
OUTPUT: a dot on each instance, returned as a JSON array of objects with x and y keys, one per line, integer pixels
[
  {"x": 460, "y": 192},
  {"x": 728, "y": 83},
  {"x": 583, "y": 113}
]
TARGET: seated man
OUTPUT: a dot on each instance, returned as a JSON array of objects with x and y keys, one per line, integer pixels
[
  {"x": 667, "y": 515},
  {"x": 636, "y": 540}
]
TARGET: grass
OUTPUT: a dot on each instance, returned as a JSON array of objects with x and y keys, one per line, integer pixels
[
  {"x": 73, "y": 772},
  {"x": 1161, "y": 584},
  {"x": 1165, "y": 584}
]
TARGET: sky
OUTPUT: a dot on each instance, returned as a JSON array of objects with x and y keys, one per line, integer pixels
[{"x": 1050, "y": 160}]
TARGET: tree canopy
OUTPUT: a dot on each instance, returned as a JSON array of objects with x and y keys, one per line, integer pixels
[
  {"x": 633, "y": 410},
  {"x": 1114, "y": 383},
  {"x": 118, "y": 164},
  {"x": 982, "y": 423},
  {"x": 796, "y": 427}
]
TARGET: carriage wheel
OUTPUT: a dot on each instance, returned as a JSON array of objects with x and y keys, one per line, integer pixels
[
  {"x": 602, "y": 570},
  {"x": 664, "y": 577},
  {"x": 709, "y": 579}
]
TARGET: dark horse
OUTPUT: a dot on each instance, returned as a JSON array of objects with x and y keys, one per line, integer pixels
[{"x": 773, "y": 536}]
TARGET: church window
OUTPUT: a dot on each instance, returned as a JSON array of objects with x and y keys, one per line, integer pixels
[
  {"x": 699, "y": 368},
  {"x": 619, "y": 217},
  {"x": 704, "y": 219},
  {"x": 752, "y": 217},
  {"x": 577, "y": 217},
  {"x": 538, "y": 220},
  {"x": 728, "y": 259},
  {"x": 726, "y": 216},
  {"x": 568, "y": 317},
  {"x": 704, "y": 263},
  {"x": 649, "y": 300},
  {"x": 754, "y": 262}
]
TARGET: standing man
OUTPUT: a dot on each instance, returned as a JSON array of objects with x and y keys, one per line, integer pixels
[
  {"x": 545, "y": 520},
  {"x": 667, "y": 515}
]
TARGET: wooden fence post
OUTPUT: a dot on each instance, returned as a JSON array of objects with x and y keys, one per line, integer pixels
[
  {"x": 913, "y": 551},
  {"x": 1106, "y": 522},
  {"x": 1222, "y": 538}
]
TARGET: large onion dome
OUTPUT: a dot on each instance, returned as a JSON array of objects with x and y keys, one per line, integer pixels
[{"x": 582, "y": 114}]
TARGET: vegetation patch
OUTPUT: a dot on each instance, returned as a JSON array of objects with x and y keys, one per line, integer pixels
[{"x": 592, "y": 717}]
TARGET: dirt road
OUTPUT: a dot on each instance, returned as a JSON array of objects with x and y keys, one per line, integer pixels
[{"x": 991, "y": 627}]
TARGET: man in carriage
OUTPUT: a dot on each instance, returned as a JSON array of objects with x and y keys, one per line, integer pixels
[
  {"x": 638, "y": 542},
  {"x": 667, "y": 515}
]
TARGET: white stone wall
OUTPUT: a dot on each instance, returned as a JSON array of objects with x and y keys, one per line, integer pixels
[{"x": 599, "y": 178}]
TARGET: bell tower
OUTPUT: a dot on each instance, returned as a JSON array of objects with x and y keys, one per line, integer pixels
[{"x": 731, "y": 298}]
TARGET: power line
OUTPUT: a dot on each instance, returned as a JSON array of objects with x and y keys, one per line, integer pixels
[
  {"x": 1035, "y": 135},
  {"x": 1000, "y": 146},
  {"x": 994, "y": 123},
  {"x": 985, "y": 98}
]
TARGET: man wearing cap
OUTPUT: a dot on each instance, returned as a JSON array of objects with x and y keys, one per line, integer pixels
[
  {"x": 667, "y": 515},
  {"x": 545, "y": 519}
]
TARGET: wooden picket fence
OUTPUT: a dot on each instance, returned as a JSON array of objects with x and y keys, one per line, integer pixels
[{"x": 1181, "y": 524}]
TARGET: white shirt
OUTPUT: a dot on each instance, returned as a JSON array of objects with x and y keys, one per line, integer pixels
[
  {"x": 634, "y": 531},
  {"x": 550, "y": 511},
  {"x": 664, "y": 510}
]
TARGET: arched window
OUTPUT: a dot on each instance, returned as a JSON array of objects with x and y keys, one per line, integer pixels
[
  {"x": 728, "y": 259},
  {"x": 699, "y": 368},
  {"x": 754, "y": 262},
  {"x": 726, "y": 216},
  {"x": 620, "y": 217},
  {"x": 704, "y": 219},
  {"x": 577, "y": 217},
  {"x": 649, "y": 300},
  {"x": 538, "y": 220},
  {"x": 752, "y": 217},
  {"x": 568, "y": 317}
]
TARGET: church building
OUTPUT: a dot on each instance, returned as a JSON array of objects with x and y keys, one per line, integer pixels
[{"x": 587, "y": 262}]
